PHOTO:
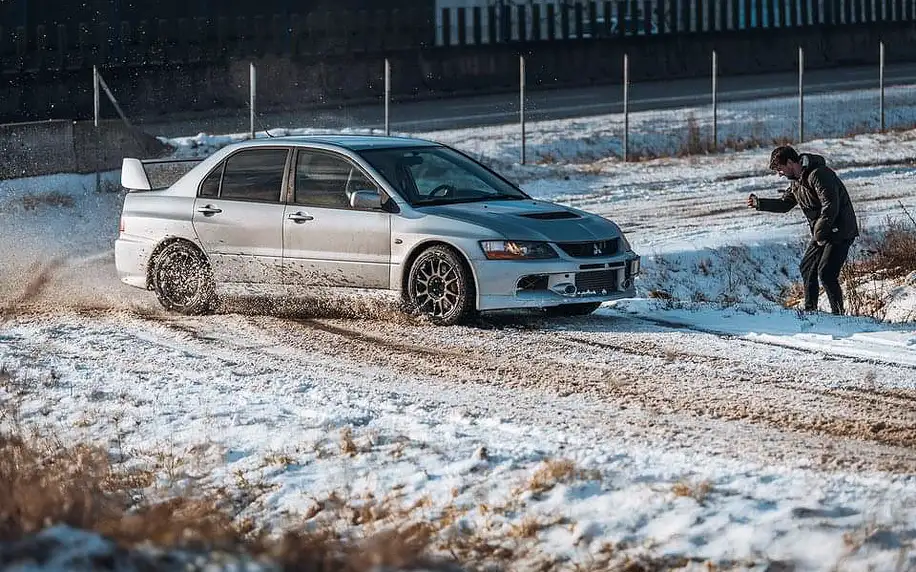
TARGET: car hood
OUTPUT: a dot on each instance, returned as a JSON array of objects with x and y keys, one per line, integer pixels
[{"x": 529, "y": 220}]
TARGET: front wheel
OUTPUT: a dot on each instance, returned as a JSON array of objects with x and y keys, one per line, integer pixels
[
  {"x": 439, "y": 286},
  {"x": 182, "y": 280},
  {"x": 573, "y": 309}
]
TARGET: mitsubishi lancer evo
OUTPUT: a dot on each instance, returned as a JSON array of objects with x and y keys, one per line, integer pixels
[{"x": 448, "y": 235}]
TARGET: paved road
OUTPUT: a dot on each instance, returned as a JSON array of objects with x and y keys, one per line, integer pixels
[{"x": 552, "y": 104}]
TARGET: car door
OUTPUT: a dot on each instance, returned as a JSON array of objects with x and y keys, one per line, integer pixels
[
  {"x": 325, "y": 241},
  {"x": 238, "y": 216}
]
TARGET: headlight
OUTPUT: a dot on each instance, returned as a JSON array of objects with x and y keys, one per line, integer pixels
[{"x": 517, "y": 250}]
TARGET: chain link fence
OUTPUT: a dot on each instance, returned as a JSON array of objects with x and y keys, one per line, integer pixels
[{"x": 644, "y": 120}]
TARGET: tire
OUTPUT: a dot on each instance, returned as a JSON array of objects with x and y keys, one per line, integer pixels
[
  {"x": 439, "y": 287},
  {"x": 567, "y": 310},
  {"x": 183, "y": 281}
]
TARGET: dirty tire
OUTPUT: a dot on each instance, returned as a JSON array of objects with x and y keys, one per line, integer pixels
[
  {"x": 182, "y": 280},
  {"x": 573, "y": 309},
  {"x": 439, "y": 287}
]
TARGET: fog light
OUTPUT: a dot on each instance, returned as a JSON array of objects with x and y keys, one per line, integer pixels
[{"x": 565, "y": 289}]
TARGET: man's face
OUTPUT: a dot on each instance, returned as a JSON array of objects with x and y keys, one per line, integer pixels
[{"x": 791, "y": 170}]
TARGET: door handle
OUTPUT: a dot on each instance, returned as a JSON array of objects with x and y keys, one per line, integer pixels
[
  {"x": 209, "y": 210},
  {"x": 300, "y": 217}
]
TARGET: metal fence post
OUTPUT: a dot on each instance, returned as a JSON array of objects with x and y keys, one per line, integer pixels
[
  {"x": 626, "y": 107},
  {"x": 801, "y": 94},
  {"x": 521, "y": 100},
  {"x": 715, "y": 107},
  {"x": 881, "y": 83},
  {"x": 387, "y": 97},
  {"x": 96, "y": 96},
  {"x": 252, "y": 84},
  {"x": 96, "y": 110}
]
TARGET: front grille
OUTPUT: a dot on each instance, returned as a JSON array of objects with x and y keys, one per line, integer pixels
[
  {"x": 596, "y": 249},
  {"x": 600, "y": 281}
]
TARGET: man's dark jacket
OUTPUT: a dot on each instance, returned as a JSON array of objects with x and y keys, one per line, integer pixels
[{"x": 822, "y": 197}]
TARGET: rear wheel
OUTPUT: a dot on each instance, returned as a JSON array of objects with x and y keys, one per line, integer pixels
[
  {"x": 439, "y": 286},
  {"x": 182, "y": 280},
  {"x": 573, "y": 309}
]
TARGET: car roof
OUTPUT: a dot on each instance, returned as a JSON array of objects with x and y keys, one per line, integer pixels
[{"x": 351, "y": 142}]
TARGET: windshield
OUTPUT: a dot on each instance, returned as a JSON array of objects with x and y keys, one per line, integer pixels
[{"x": 438, "y": 176}]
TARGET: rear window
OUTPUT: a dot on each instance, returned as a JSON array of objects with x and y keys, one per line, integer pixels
[{"x": 255, "y": 175}]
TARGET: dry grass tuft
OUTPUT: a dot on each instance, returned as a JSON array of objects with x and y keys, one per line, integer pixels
[
  {"x": 882, "y": 259},
  {"x": 547, "y": 158},
  {"x": 347, "y": 445},
  {"x": 279, "y": 459},
  {"x": 551, "y": 474},
  {"x": 660, "y": 295},
  {"x": 698, "y": 492},
  {"x": 527, "y": 528},
  {"x": 32, "y": 201},
  {"x": 555, "y": 472},
  {"x": 893, "y": 253}
]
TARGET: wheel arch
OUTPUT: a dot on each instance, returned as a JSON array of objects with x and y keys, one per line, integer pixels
[
  {"x": 160, "y": 247},
  {"x": 422, "y": 246}
]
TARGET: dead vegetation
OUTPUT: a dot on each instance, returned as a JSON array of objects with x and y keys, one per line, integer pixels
[
  {"x": 33, "y": 201},
  {"x": 44, "y": 483},
  {"x": 698, "y": 492},
  {"x": 883, "y": 261},
  {"x": 892, "y": 253},
  {"x": 554, "y": 472}
]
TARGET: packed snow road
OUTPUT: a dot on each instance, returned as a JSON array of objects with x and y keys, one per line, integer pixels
[{"x": 632, "y": 377}]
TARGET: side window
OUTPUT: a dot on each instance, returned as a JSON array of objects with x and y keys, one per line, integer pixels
[
  {"x": 255, "y": 175},
  {"x": 210, "y": 186},
  {"x": 325, "y": 180}
]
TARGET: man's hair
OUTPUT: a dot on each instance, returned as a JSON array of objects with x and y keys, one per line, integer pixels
[{"x": 781, "y": 155}]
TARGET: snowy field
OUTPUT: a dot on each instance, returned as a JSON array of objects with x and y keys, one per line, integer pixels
[{"x": 707, "y": 426}]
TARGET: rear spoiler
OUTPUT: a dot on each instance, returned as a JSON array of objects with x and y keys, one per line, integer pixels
[{"x": 134, "y": 176}]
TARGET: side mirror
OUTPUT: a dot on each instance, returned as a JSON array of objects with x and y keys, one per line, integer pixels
[{"x": 366, "y": 200}]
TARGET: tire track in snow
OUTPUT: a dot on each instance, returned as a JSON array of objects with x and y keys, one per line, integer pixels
[
  {"x": 657, "y": 384},
  {"x": 658, "y": 389},
  {"x": 784, "y": 346}
]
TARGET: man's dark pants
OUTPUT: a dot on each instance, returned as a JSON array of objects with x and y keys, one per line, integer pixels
[{"x": 824, "y": 263}]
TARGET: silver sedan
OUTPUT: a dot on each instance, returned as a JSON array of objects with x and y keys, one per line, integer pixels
[{"x": 414, "y": 217}]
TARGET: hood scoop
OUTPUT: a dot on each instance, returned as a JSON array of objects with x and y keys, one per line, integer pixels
[{"x": 558, "y": 215}]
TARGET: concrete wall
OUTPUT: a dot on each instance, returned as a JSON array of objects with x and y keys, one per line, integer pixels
[{"x": 61, "y": 146}]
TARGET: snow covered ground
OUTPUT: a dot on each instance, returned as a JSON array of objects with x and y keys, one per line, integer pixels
[{"x": 710, "y": 424}]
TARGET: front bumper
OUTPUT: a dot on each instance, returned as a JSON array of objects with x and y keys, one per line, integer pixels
[{"x": 543, "y": 283}]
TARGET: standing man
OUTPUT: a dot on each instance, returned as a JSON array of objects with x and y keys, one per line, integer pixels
[{"x": 822, "y": 196}]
